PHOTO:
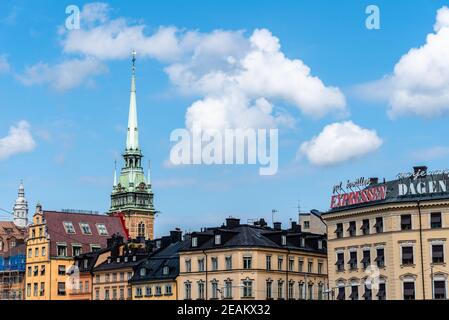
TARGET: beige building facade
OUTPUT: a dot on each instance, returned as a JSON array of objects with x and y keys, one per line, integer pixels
[
  {"x": 393, "y": 247},
  {"x": 245, "y": 262}
]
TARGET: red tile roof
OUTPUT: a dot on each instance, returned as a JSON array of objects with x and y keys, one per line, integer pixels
[
  {"x": 8, "y": 232},
  {"x": 56, "y": 230}
]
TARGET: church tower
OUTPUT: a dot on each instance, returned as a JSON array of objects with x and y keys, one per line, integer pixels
[
  {"x": 21, "y": 209},
  {"x": 132, "y": 196}
]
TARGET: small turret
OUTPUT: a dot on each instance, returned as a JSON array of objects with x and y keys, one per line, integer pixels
[{"x": 21, "y": 208}]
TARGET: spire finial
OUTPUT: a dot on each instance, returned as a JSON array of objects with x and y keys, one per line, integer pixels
[
  {"x": 134, "y": 53},
  {"x": 132, "y": 141}
]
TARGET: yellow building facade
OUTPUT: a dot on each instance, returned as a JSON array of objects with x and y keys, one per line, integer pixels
[{"x": 54, "y": 239}]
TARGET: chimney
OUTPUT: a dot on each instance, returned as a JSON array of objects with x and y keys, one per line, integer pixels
[
  {"x": 176, "y": 235},
  {"x": 277, "y": 225},
  {"x": 115, "y": 240},
  {"x": 294, "y": 225},
  {"x": 232, "y": 222},
  {"x": 420, "y": 169}
]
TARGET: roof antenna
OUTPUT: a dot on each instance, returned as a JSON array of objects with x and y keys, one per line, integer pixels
[{"x": 273, "y": 211}]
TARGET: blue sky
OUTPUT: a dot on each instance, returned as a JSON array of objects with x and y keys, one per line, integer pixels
[{"x": 77, "y": 128}]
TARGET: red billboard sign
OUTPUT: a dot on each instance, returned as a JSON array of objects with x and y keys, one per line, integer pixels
[{"x": 359, "y": 197}]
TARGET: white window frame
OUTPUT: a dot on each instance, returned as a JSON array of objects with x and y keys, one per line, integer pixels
[
  {"x": 284, "y": 240},
  {"x": 408, "y": 279},
  {"x": 228, "y": 258},
  {"x": 382, "y": 280},
  {"x": 406, "y": 244},
  {"x": 99, "y": 226},
  {"x": 69, "y": 225},
  {"x": 81, "y": 224},
  {"x": 439, "y": 277},
  {"x": 218, "y": 239},
  {"x": 165, "y": 270},
  {"x": 437, "y": 242}
]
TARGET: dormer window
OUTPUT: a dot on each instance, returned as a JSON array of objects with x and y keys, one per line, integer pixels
[
  {"x": 68, "y": 226},
  {"x": 143, "y": 272},
  {"x": 125, "y": 259},
  {"x": 217, "y": 239},
  {"x": 194, "y": 242},
  {"x": 158, "y": 244},
  {"x": 134, "y": 258},
  {"x": 102, "y": 231},
  {"x": 166, "y": 270},
  {"x": 284, "y": 240},
  {"x": 302, "y": 242},
  {"x": 118, "y": 260},
  {"x": 85, "y": 228},
  {"x": 109, "y": 260},
  {"x": 320, "y": 244}
]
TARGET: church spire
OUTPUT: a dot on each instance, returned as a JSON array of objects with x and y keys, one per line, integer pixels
[
  {"x": 132, "y": 197},
  {"x": 132, "y": 140}
]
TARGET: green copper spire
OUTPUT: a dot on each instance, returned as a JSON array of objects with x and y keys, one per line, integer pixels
[
  {"x": 131, "y": 190},
  {"x": 132, "y": 140}
]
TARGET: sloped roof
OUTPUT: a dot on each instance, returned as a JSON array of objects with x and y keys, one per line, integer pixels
[
  {"x": 166, "y": 257},
  {"x": 253, "y": 236},
  {"x": 9, "y": 225},
  {"x": 114, "y": 265},
  {"x": 55, "y": 229}
]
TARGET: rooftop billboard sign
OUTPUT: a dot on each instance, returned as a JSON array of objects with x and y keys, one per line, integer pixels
[{"x": 419, "y": 184}]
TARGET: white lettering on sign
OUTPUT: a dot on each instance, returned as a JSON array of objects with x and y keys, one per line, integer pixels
[
  {"x": 428, "y": 187},
  {"x": 422, "y": 173},
  {"x": 361, "y": 182}
]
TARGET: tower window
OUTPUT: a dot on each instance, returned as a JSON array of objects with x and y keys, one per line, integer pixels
[{"x": 141, "y": 229}]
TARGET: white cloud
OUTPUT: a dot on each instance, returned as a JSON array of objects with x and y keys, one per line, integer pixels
[
  {"x": 234, "y": 110},
  {"x": 237, "y": 85},
  {"x": 106, "y": 38},
  {"x": 419, "y": 84},
  {"x": 431, "y": 153},
  {"x": 340, "y": 142},
  {"x": 18, "y": 140},
  {"x": 4, "y": 64},
  {"x": 94, "y": 12},
  {"x": 237, "y": 77},
  {"x": 63, "y": 76}
]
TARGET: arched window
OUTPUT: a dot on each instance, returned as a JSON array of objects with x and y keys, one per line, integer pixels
[{"x": 141, "y": 229}]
